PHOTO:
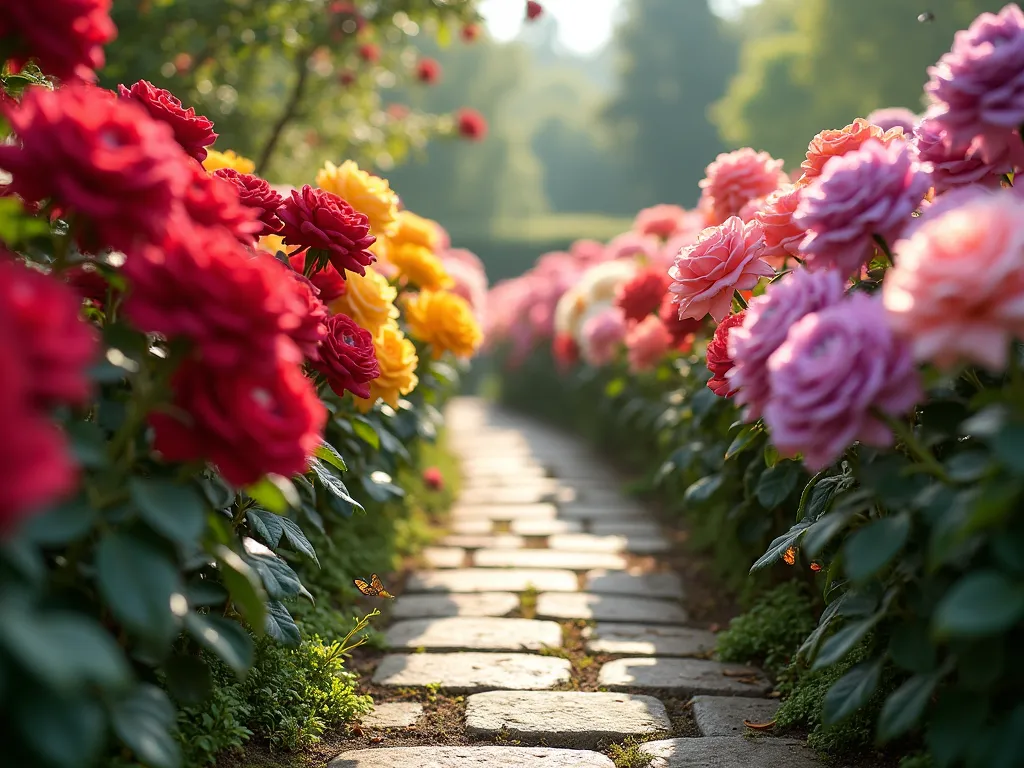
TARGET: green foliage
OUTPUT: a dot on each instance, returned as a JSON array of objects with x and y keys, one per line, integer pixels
[
  {"x": 629, "y": 755},
  {"x": 216, "y": 726},
  {"x": 773, "y": 627}
]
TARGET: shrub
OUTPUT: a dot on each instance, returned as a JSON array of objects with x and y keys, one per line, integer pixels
[{"x": 770, "y": 631}]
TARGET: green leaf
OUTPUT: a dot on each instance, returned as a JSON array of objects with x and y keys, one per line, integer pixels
[
  {"x": 332, "y": 484},
  {"x": 244, "y": 585},
  {"x": 954, "y": 725},
  {"x": 223, "y": 637},
  {"x": 188, "y": 679},
  {"x": 267, "y": 525},
  {"x": 809, "y": 648},
  {"x": 743, "y": 441},
  {"x": 138, "y": 582},
  {"x": 88, "y": 443},
  {"x": 872, "y": 547},
  {"x": 980, "y": 603},
  {"x": 852, "y": 691},
  {"x": 281, "y": 626},
  {"x": 911, "y": 648},
  {"x": 327, "y": 452},
  {"x": 365, "y": 431},
  {"x": 66, "y": 732},
  {"x": 17, "y": 226},
  {"x": 842, "y": 642},
  {"x": 1008, "y": 446},
  {"x": 277, "y": 576},
  {"x": 779, "y": 545},
  {"x": 293, "y": 533},
  {"x": 173, "y": 510},
  {"x": 145, "y": 722},
  {"x": 62, "y": 524},
  {"x": 905, "y": 705},
  {"x": 380, "y": 487},
  {"x": 276, "y": 493},
  {"x": 777, "y": 483},
  {"x": 771, "y": 455},
  {"x": 702, "y": 490},
  {"x": 823, "y": 531}
]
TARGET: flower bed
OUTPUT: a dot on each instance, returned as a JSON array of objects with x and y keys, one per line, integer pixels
[
  {"x": 220, "y": 398},
  {"x": 822, "y": 372}
]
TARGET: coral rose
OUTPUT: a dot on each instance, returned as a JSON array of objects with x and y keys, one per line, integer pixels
[
  {"x": 65, "y": 37},
  {"x": 643, "y": 294},
  {"x": 977, "y": 89},
  {"x": 836, "y": 143},
  {"x": 646, "y": 343},
  {"x": 736, "y": 178},
  {"x": 471, "y": 124},
  {"x": 836, "y": 367},
  {"x": 396, "y": 356},
  {"x": 347, "y": 357},
  {"x": 724, "y": 259},
  {"x": 105, "y": 162},
  {"x": 368, "y": 194},
  {"x": 602, "y": 332},
  {"x": 193, "y": 132},
  {"x": 249, "y": 421},
  {"x": 957, "y": 290},
  {"x": 661, "y": 221},
  {"x": 256, "y": 193},
  {"x": 445, "y": 321},
  {"x": 957, "y": 165},
  {"x": 719, "y": 360},
  {"x": 782, "y": 236},
  {"x": 767, "y": 321},
  {"x": 317, "y": 219},
  {"x": 369, "y": 300},
  {"x": 864, "y": 194},
  {"x": 212, "y": 201},
  {"x": 228, "y": 159},
  {"x": 419, "y": 266}
]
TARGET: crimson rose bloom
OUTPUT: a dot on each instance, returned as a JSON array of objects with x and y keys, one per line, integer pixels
[
  {"x": 533, "y": 9},
  {"x": 202, "y": 285},
  {"x": 193, "y": 132},
  {"x": 565, "y": 350},
  {"x": 719, "y": 362},
  {"x": 347, "y": 357},
  {"x": 309, "y": 313},
  {"x": 643, "y": 294},
  {"x": 249, "y": 420},
  {"x": 65, "y": 37},
  {"x": 255, "y": 193},
  {"x": 102, "y": 160},
  {"x": 433, "y": 478},
  {"x": 328, "y": 280},
  {"x": 428, "y": 71},
  {"x": 318, "y": 219},
  {"x": 471, "y": 124},
  {"x": 88, "y": 282},
  {"x": 211, "y": 201}
]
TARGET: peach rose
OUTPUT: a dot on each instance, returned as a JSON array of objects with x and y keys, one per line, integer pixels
[{"x": 833, "y": 143}]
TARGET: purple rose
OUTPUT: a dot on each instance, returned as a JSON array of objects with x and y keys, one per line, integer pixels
[
  {"x": 978, "y": 87},
  {"x": 872, "y": 191},
  {"x": 768, "y": 320},
  {"x": 835, "y": 368},
  {"x": 958, "y": 165}
]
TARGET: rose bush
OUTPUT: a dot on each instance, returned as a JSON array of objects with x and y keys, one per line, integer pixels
[
  {"x": 200, "y": 399},
  {"x": 855, "y": 413}
]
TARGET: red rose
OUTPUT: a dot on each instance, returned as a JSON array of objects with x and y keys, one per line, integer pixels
[
  {"x": 347, "y": 357},
  {"x": 369, "y": 52},
  {"x": 433, "y": 479},
  {"x": 347, "y": 77},
  {"x": 255, "y": 193},
  {"x": 533, "y": 9},
  {"x": 88, "y": 282},
  {"x": 57, "y": 346},
  {"x": 102, "y": 160},
  {"x": 65, "y": 37},
  {"x": 565, "y": 350},
  {"x": 328, "y": 280},
  {"x": 249, "y": 420},
  {"x": 318, "y": 219},
  {"x": 307, "y": 326},
  {"x": 719, "y": 362},
  {"x": 470, "y": 32},
  {"x": 428, "y": 71},
  {"x": 643, "y": 294},
  {"x": 680, "y": 329},
  {"x": 202, "y": 285},
  {"x": 193, "y": 132},
  {"x": 471, "y": 124},
  {"x": 212, "y": 201}
]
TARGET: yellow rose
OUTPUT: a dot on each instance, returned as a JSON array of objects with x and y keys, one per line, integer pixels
[
  {"x": 369, "y": 300},
  {"x": 216, "y": 160},
  {"x": 419, "y": 266},
  {"x": 396, "y": 356},
  {"x": 381, "y": 248},
  {"x": 416, "y": 230},
  {"x": 368, "y": 194},
  {"x": 445, "y": 321}
]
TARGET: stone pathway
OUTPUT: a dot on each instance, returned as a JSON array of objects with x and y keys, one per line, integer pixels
[{"x": 542, "y": 607}]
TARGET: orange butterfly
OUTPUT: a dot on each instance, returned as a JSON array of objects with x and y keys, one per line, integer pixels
[{"x": 374, "y": 588}]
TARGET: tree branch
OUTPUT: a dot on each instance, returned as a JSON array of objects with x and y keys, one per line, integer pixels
[{"x": 290, "y": 111}]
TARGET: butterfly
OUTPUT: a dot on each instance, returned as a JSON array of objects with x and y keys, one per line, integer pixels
[{"x": 374, "y": 588}]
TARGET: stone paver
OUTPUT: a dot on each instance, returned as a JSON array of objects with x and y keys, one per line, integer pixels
[
  {"x": 586, "y": 542},
  {"x": 483, "y": 541},
  {"x": 526, "y": 494},
  {"x": 472, "y": 633},
  {"x": 492, "y": 580},
  {"x": 667, "y": 585},
  {"x": 647, "y": 640},
  {"x": 473, "y": 526},
  {"x": 508, "y": 512},
  {"x": 472, "y": 672},
  {"x": 565, "y": 718},
  {"x": 444, "y": 557},
  {"x": 546, "y": 558},
  {"x": 729, "y": 752},
  {"x": 504, "y": 476},
  {"x": 545, "y": 527},
  {"x": 437, "y": 605},
  {"x": 470, "y": 757},
  {"x": 638, "y": 528},
  {"x": 682, "y": 677},
  {"x": 584, "y": 605},
  {"x": 626, "y": 512},
  {"x": 393, "y": 714},
  {"x": 724, "y": 715}
]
